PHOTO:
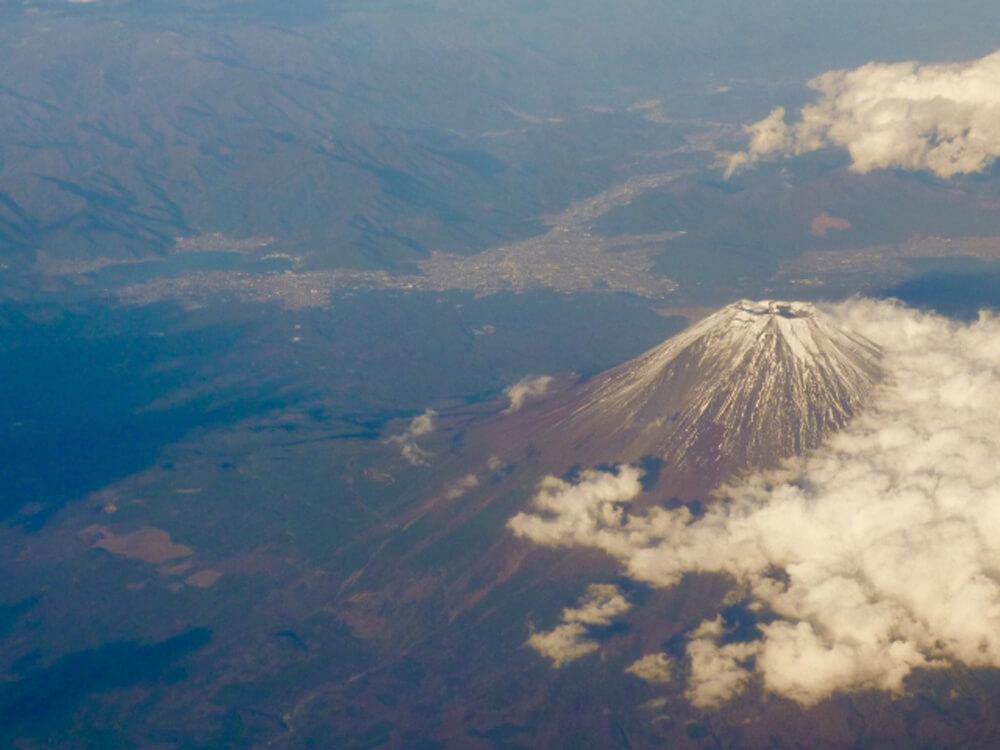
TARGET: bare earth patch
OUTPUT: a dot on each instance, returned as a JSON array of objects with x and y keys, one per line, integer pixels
[
  {"x": 178, "y": 569},
  {"x": 203, "y": 579},
  {"x": 147, "y": 544},
  {"x": 824, "y": 223}
]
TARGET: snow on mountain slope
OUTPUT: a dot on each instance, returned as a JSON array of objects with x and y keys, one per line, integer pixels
[{"x": 742, "y": 389}]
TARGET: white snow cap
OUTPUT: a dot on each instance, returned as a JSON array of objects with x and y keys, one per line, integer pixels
[
  {"x": 795, "y": 322},
  {"x": 749, "y": 385}
]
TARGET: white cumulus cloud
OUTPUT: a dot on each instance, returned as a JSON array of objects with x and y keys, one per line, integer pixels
[
  {"x": 525, "y": 389},
  {"x": 653, "y": 668},
  {"x": 718, "y": 672},
  {"x": 419, "y": 426},
  {"x": 461, "y": 486},
  {"x": 601, "y": 605},
  {"x": 943, "y": 118},
  {"x": 875, "y": 555},
  {"x": 574, "y": 513}
]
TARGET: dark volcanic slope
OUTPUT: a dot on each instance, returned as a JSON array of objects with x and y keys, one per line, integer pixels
[{"x": 752, "y": 384}]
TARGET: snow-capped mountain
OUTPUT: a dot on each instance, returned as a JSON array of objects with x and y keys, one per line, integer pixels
[{"x": 742, "y": 389}]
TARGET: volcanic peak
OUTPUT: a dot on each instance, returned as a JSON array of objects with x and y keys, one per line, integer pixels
[{"x": 743, "y": 388}]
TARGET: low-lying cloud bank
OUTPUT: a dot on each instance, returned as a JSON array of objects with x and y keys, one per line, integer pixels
[
  {"x": 942, "y": 118},
  {"x": 874, "y": 556},
  {"x": 601, "y": 605}
]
